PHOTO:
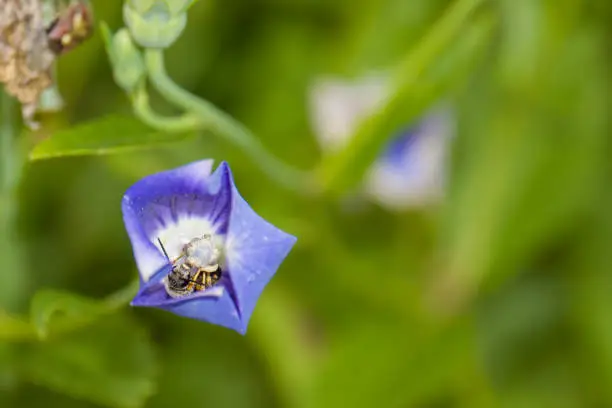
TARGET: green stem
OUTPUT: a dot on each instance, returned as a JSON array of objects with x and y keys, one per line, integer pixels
[
  {"x": 224, "y": 125},
  {"x": 7, "y": 131},
  {"x": 446, "y": 30},
  {"x": 142, "y": 109},
  {"x": 277, "y": 331},
  {"x": 11, "y": 161}
]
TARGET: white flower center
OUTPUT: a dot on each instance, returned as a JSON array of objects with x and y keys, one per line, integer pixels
[
  {"x": 175, "y": 237},
  {"x": 195, "y": 260}
]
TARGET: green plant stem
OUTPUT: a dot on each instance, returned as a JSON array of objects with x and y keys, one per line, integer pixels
[
  {"x": 439, "y": 36},
  {"x": 278, "y": 332},
  {"x": 7, "y": 135},
  {"x": 224, "y": 125},
  {"x": 11, "y": 164},
  {"x": 184, "y": 123}
]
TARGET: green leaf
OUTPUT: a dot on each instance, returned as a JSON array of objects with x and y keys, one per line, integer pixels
[
  {"x": 278, "y": 333},
  {"x": 193, "y": 2},
  {"x": 112, "y": 134},
  {"x": 417, "y": 364},
  {"x": 530, "y": 163},
  {"x": 54, "y": 312},
  {"x": 9, "y": 379},
  {"x": 209, "y": 366},
  {"x": 107, "y": 36},
  {"x": 14, "y": 328},
  {"x": 111, "y": 363},
  {"x": 49, "y": 305},
  {"x": 588, "y": 274},
  {"x": 512, "y": 324},
  {"x": 58, "y": 311}
]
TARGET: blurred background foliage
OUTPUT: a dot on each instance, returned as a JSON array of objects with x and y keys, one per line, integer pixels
[{"x": 499, "y": 297}]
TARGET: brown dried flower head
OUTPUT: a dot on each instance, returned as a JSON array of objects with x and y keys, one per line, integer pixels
[{"x": 25, "y": 58}]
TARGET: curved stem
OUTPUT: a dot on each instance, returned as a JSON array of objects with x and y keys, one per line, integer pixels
[
  {"x": 223, "y": 124},
  {"x": 142, "y": 109}
]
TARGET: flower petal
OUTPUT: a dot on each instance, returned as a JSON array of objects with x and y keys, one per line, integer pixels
[
  {"x": 162, "y": 199},
  {"x": 412, "y": 169},
  {"x": 338, "y": 105},
  {"x": 204, "y": 212},
  {"x": 214, "y": 305},
  {"x": 148, "y": 257},
  {"x": 254, "y": 251}
]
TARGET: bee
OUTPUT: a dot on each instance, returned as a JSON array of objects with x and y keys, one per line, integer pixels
[
  {"x": 70, "y": 28},
  {"x": 195, "y": 269},
  {"x": 203, "y": 280}
]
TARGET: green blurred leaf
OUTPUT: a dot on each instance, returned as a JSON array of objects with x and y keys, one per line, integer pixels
[
  {"x": 111, "y": 363},
  {"x": 393, "y": 366},
  {"x": 193, "y": 2},
  {"x": 592, "y": 306},
  {"x": 209, "y": 366},
  {"x": 112, "y": 134},
  {"x": 8, "y": 377},
  {"x": 49, "y": 305},
  {"x": 591, "y": 302},
  {"x": 529, "y": 164},
  {"x": 59, "y": 311},
  {"x": 381, "y": 31},
  {"x": 517, "y": 324},
  {"x": 12, "y": 327},
  {"x": 280, "y": 331}
]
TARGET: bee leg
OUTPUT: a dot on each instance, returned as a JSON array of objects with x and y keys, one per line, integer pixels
[
  {"x": 199, "y": 280},
  {"x": 209, "y": 280},
  {"x": 192, "y": 286}
]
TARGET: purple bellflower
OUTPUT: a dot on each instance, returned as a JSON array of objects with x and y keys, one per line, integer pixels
[
  {"x": 201, "y": 251},
  {"x": 411, "y": 170}
]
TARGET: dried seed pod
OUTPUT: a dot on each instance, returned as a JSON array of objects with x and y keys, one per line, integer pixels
[
  {"x": 70, "y": 28},
  {"x": 25, "y": 58}
]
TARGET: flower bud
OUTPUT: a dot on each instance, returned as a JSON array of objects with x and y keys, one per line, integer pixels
[
  {"x": 125, "y": 57},
  {"x": 50, "y": 100},
  {"x": 178, "y": 6},
  {"x": 157, "y": 23},
  {"x": 141, "y": 6}
]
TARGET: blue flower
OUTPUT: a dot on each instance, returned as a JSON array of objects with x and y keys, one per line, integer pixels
[
  {"x": 201, "y": 251},
  {"x": 411, "y": 171}
]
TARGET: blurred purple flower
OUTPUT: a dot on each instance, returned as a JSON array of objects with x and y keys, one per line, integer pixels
[
  {"x": 177, "y": 206},
  {"x": 411, "y": 171}
]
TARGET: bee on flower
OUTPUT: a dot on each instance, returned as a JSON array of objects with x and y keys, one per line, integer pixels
[{"x": 201, "y": 251}]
